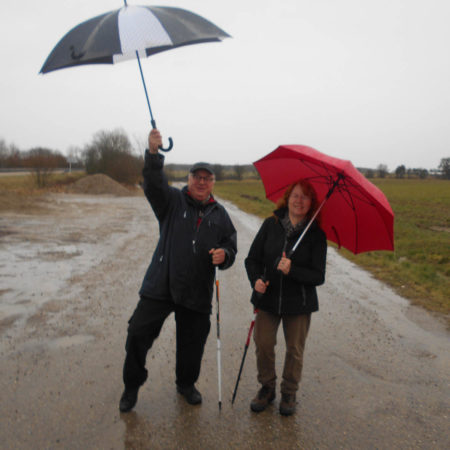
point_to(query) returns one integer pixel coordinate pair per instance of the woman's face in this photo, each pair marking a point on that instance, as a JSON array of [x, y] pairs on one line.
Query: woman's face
[[298, 203]]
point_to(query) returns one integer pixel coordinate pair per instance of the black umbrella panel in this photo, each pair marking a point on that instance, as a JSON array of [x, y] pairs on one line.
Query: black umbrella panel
[[131, 32]]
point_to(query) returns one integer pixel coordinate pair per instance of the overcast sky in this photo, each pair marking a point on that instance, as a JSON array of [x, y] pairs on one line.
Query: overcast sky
[[362, 80]]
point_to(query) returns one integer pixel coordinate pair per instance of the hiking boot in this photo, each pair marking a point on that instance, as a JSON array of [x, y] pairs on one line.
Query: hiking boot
[[263, 398], [191, 394], [128, 399], [287, 404]]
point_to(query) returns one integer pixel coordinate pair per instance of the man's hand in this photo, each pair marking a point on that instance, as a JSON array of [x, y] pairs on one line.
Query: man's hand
[[261, 286], [154, 141], [284, 265], [217, 256]]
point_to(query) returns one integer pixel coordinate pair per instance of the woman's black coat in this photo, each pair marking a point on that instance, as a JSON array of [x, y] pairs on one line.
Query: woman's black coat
[[294, 293]]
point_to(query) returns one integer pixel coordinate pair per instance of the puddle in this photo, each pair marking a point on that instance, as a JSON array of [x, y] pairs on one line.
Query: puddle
[[41, 256]]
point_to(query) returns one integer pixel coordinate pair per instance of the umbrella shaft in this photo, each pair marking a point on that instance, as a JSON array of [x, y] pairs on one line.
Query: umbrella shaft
[[307, 226], [145, 89], [336, 182]]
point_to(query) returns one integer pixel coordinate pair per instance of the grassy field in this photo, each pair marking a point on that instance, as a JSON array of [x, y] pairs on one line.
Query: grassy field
[[419, 268]]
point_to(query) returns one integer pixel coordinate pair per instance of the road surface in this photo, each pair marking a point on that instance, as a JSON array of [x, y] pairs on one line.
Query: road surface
[[376, 370]]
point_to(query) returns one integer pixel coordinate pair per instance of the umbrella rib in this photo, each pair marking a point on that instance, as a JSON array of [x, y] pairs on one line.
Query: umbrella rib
[[358, 194], [351, 203], [328, 178]]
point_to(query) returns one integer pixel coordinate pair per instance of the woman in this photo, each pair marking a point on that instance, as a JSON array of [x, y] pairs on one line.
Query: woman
[[285, 290]]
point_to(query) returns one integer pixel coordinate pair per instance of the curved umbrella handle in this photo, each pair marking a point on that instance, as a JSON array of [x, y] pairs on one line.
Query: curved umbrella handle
[[168, 148], [170, 139]]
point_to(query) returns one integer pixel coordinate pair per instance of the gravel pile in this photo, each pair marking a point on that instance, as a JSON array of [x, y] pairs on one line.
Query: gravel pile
[[98, 184]]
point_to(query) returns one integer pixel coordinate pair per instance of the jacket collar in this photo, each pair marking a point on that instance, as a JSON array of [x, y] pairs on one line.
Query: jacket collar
[[196, 203], [281, 212]]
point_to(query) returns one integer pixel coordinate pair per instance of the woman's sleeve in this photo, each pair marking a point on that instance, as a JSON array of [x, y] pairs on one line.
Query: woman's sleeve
[[254, 263]]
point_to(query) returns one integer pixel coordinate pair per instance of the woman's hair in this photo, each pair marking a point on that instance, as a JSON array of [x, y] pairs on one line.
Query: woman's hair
[[308, 190]]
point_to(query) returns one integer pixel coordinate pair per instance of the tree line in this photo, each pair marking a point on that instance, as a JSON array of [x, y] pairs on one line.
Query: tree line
[[111, 153]]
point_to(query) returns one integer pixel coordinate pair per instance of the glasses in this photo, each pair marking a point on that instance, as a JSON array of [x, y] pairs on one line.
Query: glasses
[[199, 178]]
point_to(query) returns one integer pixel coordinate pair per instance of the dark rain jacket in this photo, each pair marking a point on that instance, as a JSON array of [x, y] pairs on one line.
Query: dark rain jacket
[[181, 269], [294, 293]]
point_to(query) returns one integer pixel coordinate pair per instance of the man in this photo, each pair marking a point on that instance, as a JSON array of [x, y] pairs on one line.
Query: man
[[196, 235]]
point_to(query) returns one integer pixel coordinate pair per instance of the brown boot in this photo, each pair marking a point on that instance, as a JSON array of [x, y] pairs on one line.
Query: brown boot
[[264, 396], [287, 404]]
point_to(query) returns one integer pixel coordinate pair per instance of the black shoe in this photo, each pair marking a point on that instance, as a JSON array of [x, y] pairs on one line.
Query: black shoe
[[190, 393], [263, 398], [128, 399]]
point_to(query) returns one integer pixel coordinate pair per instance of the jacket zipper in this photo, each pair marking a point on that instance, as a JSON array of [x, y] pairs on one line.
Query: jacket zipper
[[281, 293], [203, 217], [280, 298]]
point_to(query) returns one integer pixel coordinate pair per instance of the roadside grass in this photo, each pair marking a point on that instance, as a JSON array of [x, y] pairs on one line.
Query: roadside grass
[[419, 268], [19, 192], [26, 183]]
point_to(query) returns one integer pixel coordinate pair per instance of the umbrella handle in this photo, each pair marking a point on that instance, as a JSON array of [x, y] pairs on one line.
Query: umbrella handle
[[168, 148], [170, 140]]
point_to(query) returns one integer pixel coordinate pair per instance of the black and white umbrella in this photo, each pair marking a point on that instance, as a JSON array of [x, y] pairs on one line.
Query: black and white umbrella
[[131, 32]]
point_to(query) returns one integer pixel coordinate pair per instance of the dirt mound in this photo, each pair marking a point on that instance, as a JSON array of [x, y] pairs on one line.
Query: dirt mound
[[98, 184]]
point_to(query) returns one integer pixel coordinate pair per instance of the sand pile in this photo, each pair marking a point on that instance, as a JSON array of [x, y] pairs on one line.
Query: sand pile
[[98, 184]]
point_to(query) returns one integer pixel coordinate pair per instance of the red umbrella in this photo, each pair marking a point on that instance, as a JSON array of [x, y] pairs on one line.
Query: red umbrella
[[355, 214]]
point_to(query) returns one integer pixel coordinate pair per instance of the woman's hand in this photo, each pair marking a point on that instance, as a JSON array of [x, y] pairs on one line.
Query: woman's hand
[[261, 286], [284, 265]]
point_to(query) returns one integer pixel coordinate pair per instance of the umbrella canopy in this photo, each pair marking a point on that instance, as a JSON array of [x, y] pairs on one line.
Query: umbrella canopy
[[131, 32], [117, 35], [355, 213]]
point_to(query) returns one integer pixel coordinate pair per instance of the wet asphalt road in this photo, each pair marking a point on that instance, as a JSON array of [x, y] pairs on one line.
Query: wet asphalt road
[[376, 371]]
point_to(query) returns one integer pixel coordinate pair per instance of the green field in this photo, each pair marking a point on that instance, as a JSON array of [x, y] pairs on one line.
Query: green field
[[419, 268]]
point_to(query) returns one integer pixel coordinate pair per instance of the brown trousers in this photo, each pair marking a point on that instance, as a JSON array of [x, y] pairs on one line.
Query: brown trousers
[[295, 329]]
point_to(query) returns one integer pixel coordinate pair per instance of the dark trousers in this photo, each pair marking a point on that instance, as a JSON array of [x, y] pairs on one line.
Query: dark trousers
[[295, 328], [192, 330]]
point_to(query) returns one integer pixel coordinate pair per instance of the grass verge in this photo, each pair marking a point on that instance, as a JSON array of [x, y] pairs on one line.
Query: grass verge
[[19, 192]]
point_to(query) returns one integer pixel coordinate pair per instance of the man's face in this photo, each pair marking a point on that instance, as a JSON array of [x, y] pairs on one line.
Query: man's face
[[200, 184]]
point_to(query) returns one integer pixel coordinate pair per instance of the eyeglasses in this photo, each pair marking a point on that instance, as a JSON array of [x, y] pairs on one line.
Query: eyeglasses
[[199, 178]]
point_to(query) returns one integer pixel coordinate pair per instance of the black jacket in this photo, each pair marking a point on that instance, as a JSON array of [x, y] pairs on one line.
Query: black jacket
[[294, 293], [181, 269]]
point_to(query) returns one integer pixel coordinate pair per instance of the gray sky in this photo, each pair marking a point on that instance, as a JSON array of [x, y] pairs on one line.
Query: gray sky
[[361, 80]]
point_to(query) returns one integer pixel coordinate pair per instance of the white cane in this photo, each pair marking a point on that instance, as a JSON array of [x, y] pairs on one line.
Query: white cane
[[219, 368]]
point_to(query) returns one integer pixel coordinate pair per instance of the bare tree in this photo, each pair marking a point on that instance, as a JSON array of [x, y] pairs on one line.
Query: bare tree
[[219, 171], [400, 171], [445, 167], [382, 170], [110, 153], [43, 162], [3, 153], [239, 170]]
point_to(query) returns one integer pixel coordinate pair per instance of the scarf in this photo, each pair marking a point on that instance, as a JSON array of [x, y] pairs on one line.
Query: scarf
[[290, 229]]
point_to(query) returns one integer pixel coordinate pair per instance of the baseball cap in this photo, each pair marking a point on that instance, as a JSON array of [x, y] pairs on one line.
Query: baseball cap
[[202, 166]]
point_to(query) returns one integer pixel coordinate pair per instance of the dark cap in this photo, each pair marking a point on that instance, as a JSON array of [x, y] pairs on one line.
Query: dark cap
[[202, 166]]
